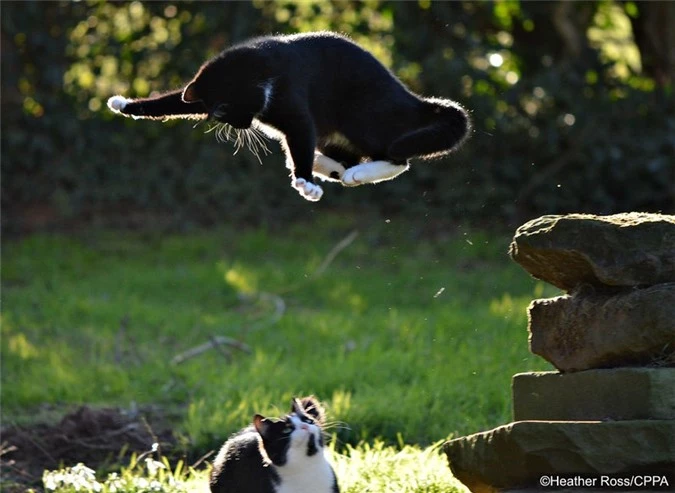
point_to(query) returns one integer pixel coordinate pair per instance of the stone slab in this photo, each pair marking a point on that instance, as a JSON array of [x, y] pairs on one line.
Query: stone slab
[[518, 454], [631, 249], [598, 330], [614, 394]]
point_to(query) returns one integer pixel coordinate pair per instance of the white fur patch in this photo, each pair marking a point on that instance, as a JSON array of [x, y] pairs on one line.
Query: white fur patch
[[117, 103], [326, 168], [269, 131], [372, 172], [303, 473], [308, 190]]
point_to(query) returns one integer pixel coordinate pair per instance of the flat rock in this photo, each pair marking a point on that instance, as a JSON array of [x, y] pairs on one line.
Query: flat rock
[[518, 454], [632, 249], [615, 394], [594, 330]]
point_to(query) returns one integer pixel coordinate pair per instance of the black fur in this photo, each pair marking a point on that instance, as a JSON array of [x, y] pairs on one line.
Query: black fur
[[249, 460], [241, 468], [319, 85]]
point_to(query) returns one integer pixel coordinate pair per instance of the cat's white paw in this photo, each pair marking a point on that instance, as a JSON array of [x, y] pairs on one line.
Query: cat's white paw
[[353, 177], [308, 190], [372, 172], [117, 103]]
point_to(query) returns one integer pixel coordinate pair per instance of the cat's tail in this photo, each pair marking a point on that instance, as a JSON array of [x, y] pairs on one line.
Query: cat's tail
[[165, 106]]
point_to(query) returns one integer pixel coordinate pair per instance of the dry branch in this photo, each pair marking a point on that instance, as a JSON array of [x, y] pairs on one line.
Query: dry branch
[[214, 342]]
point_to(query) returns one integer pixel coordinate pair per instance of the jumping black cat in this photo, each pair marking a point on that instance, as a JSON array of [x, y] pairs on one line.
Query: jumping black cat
[[283, 455], [337, 111]]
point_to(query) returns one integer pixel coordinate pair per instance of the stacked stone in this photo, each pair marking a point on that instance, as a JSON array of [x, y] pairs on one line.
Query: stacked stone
[[609, 410]]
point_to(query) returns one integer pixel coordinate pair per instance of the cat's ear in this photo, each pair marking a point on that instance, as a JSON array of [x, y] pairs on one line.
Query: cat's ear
[[296, 407], [190, 93], [309, 405], [261, 424]]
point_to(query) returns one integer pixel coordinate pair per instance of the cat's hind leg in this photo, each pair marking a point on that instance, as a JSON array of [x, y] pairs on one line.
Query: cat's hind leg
[[442, 136], [327, 168], [372, 172]]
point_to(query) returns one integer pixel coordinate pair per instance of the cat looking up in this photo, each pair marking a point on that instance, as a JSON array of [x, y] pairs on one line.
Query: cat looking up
[[284, 455], [338, 112]]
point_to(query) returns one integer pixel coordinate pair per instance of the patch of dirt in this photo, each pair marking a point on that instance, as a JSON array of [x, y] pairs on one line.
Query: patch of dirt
[[97, 437]]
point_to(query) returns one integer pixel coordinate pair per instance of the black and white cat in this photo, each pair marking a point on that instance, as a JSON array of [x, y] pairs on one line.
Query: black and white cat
[[284, 455], [337, 111]]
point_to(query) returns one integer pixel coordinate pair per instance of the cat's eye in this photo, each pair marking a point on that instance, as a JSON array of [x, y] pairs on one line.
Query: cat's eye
[[220, 111], [287, 429]]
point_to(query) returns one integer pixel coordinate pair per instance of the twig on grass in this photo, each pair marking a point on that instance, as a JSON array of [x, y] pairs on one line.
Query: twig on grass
[[226, 353], [214, 342], [203, 458], [223, 344], [279, 310], [327, 261], [339, 246]]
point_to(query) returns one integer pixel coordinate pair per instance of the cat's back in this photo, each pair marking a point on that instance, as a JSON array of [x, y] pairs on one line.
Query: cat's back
[[323, 57], [239, 466], [336, 53], [337, 78]]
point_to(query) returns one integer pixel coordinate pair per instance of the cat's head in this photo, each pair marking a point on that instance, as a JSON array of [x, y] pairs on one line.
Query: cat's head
[[298, 434], [232, 86]]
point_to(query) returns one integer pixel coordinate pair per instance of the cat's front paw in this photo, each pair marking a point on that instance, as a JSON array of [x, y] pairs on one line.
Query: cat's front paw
[[117, 103], [308, 190]]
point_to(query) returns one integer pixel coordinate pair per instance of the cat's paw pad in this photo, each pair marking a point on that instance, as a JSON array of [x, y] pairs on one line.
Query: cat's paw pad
[[117, 103], [308, 190], [354, 177]]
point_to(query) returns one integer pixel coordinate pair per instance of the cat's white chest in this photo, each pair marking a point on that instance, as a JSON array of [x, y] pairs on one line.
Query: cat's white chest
[[313, 475]]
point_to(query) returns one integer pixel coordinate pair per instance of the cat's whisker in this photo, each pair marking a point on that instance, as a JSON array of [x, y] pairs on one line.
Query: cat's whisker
[[260, 137], [238, 142], [251, 138], [335, 425]]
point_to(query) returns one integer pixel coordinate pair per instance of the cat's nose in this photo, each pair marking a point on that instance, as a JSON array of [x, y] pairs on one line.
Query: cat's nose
[[304, 426]]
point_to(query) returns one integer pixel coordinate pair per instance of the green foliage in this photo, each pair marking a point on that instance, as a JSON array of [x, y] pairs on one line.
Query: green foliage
[[374, 468], [552, 132], [382, 469], [425, 334]]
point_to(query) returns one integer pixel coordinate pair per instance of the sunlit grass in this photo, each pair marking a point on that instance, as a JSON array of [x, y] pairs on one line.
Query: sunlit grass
[[407, 340], [383, 469], [373, 468]]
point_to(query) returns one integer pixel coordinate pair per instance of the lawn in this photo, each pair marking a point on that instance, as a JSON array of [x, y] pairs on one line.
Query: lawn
[[409, 337]]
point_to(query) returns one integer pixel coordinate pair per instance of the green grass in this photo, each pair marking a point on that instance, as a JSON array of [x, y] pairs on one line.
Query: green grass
[[407, 339], [373, 468]]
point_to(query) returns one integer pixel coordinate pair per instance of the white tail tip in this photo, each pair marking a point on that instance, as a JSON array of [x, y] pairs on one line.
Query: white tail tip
[[117, 103]]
